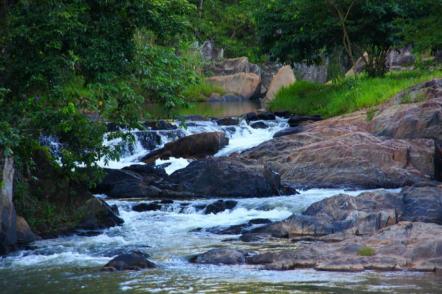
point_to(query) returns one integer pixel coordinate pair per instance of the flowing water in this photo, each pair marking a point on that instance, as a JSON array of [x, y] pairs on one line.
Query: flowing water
[[72, 264]]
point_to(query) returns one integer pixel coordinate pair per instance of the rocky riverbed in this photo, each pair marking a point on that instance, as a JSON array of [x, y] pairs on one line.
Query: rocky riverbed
[[234, 202]]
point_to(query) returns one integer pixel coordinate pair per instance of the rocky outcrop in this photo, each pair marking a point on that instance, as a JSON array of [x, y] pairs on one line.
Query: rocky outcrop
[[405, 117], [334, 157], [193, 146], [339, 216], [129, 262], [24, 232], [311, 72], [283, 78], [398, 59], [242, 84], [220, 256], [210, 52], [97, 214], [8, 233], [230, 66], [268, 70], [209, 178], [404, 246], [220, 206]]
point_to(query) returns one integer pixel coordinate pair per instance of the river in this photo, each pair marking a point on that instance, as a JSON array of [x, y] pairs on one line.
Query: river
[[72, 264]]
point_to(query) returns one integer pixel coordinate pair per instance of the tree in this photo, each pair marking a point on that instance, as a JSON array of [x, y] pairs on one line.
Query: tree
[[62, 61], [304, 30]]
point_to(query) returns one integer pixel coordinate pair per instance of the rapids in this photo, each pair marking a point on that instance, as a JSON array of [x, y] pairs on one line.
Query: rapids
[[71, 264]]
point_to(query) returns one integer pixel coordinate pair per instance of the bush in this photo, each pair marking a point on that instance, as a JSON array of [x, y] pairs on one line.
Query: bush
[[201, 91]]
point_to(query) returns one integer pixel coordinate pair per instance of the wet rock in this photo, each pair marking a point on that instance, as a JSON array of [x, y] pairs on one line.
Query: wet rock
[[130, 261], [438, 161], [296, 120], [24, 232], [284, 114], [220, 256], [253, 116], [239, 229], [97, 214], [288, 131], [259, 125], [224, 177], [159, 125], [361, 215], [220, 206], [193, 146], [167, 201], [405, 246], [148, 139], [146, 207], [228, 121], [415, 113]]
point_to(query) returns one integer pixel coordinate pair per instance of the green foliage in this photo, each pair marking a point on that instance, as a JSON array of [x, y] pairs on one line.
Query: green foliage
[[305, 30], [201, 91], [423, 30], [62, 61], [366, 251], [231, 24], [348, 95]]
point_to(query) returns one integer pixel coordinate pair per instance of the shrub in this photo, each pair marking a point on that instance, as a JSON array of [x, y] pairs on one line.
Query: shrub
[[366, 251]]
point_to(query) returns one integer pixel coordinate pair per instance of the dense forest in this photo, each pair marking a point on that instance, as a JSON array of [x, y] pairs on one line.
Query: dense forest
[[71, 69]]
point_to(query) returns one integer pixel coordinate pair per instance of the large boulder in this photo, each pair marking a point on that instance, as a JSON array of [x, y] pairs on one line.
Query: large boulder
[[404, 246], [344, 215], [97, 214], [268, 71], [283, 78], [24, 232], [333, 157], [398, 59], [242, 84], [220, 206], [232, 66], [193, 146], [220, 256], [129, 261], [226, 177], [407, 116]]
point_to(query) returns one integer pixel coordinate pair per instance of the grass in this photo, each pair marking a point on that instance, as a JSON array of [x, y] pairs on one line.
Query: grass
[[348, 95], [366, 251], [200, 92]]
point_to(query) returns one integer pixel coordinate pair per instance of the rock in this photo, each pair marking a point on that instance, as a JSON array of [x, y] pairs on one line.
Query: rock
[[283, 78], [243, 84], [220, 206], [232, 66], [160, 125], [8, 232], [209, 51], [24, 232], [259, 125], [268, 71], [296, 120], [239, 229], [438, 161], [399, 59], [193, 146], [220, 256], [146, 207], [97, 214], [264, 115], [404, 246], [361, 215], [288, 131], [130, 261], [412, 120], [224, 177], [284, 114], [354, 159], [228, 121], [311, 72], [130, 182], [148, 139]]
